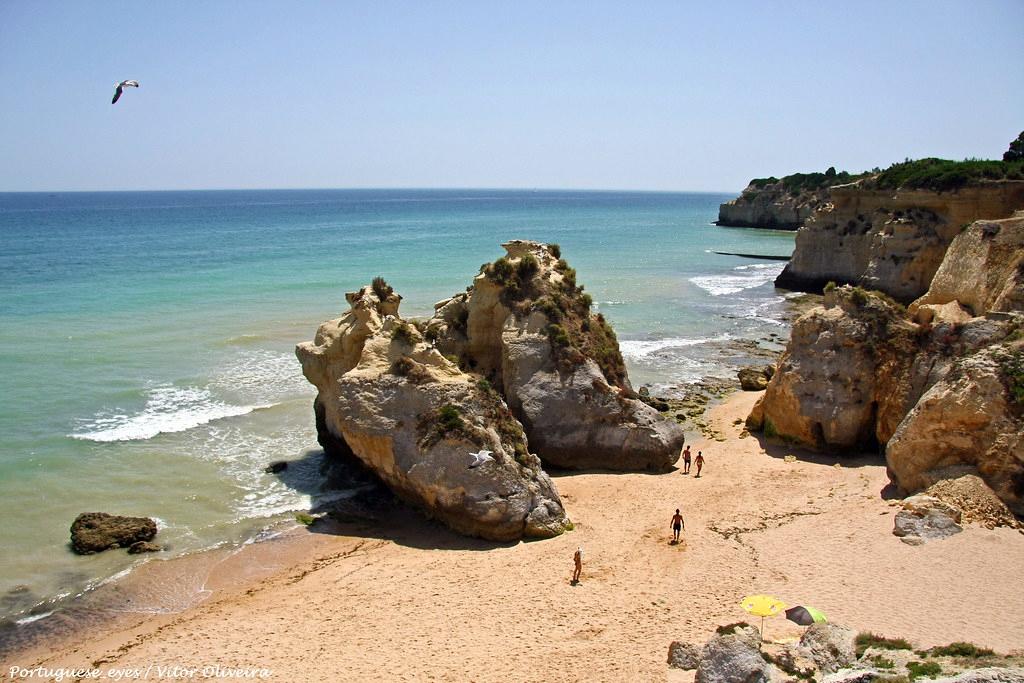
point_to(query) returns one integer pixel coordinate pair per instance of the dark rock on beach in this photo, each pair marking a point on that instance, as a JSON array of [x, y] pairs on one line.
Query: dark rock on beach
[[144, 547], [276, 466], [94, 532]]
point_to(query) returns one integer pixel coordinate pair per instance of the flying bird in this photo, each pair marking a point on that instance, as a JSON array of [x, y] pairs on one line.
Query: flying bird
[[484, 456], [119, 88]]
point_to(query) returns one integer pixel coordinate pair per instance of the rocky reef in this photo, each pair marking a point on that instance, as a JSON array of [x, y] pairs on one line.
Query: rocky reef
[[517, 366], [889, 240], [939, 386]]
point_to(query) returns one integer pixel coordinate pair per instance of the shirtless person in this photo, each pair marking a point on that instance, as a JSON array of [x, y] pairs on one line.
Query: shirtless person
[[699, 462], [577, 558], [677, 526], [686, 460]]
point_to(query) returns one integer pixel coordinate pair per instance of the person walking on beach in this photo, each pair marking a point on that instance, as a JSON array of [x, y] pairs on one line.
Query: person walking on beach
[[577, 558], [686, 460], [699, 461], [677, 526]]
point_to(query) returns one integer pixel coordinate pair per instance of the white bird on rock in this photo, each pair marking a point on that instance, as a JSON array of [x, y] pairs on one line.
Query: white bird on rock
[[484, 456], [119, 88]]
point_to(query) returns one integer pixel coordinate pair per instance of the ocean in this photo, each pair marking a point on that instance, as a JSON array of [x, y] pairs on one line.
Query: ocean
[[146, 339]]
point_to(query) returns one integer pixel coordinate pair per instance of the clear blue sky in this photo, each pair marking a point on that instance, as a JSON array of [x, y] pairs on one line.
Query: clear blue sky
[[647, 95]]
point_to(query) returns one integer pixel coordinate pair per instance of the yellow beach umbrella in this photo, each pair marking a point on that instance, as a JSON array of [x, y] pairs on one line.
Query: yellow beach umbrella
[[762, 606]]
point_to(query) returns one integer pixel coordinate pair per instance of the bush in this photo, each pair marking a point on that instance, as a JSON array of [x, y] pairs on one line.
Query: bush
[[881, 662], [381, 288], [830, 286], [501, 270], [403, 333], [449, 419], [866, 640], [1013, 370], [527, 267], [558, 335], [556, 251], [858, 296], [960, 649], [921, 669]]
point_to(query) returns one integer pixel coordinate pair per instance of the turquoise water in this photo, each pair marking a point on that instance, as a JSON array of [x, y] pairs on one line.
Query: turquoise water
[[146, 338]]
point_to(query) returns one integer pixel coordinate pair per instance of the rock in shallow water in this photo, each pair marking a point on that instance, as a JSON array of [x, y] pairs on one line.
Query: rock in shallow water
[[94, 532]]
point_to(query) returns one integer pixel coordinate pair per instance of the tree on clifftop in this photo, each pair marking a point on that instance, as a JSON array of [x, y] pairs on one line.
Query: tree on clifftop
[[1016, 151]]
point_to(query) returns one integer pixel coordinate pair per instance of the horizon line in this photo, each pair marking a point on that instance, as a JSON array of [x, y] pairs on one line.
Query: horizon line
[[347, 189]]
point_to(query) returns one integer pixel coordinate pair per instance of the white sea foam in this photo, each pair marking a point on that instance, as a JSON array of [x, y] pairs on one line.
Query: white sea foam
[[168, 409], [33, 617], [637, 350], [743, 277]]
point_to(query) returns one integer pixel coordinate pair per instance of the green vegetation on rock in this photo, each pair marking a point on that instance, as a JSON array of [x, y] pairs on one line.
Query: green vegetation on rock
[[943, 175], [923, 670], [381, 288], [866, 640]]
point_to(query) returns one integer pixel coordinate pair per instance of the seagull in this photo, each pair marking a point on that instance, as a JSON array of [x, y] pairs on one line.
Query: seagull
[[480, 458], [120, 88]]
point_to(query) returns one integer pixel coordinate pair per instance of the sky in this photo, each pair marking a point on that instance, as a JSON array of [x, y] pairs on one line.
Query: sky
[[682, 96]]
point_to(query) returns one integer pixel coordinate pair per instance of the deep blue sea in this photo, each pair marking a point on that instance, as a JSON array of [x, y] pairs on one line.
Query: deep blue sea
[[146, 338]]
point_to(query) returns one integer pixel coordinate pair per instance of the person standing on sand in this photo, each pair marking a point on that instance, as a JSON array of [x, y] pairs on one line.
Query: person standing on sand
[[577, 558], [686, 460], [699, 461], [677, 526]]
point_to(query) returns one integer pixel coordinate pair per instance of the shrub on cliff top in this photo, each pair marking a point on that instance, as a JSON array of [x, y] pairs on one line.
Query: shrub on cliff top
[[944, 175], [381, 288], [556, 251]]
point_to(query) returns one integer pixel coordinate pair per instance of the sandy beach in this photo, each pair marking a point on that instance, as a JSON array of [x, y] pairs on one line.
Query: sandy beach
[[406, 600]]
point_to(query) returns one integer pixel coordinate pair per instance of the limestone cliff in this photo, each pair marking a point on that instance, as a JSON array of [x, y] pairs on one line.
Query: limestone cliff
[[413, 418], [890, 240], [771, 206], [939, 387]]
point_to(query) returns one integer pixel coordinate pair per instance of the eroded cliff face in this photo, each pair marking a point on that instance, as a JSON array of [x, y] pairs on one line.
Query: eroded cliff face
[[771, 207], [938, 386], [890, 241], [413, 418]]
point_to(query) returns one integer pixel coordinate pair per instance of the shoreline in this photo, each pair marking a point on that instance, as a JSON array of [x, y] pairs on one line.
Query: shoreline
[[404, 599]]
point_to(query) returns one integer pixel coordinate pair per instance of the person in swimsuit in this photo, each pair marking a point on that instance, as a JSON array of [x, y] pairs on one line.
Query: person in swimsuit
[[686, 460], [699, 461], [577, 558], [677, 526]]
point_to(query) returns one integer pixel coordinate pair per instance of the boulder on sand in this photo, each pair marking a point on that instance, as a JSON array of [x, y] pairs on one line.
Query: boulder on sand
[[924, 518], [94, 532]]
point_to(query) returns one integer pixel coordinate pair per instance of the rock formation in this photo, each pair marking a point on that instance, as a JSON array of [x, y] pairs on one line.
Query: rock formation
[[414, 418], [940, 386], [526, 326], [834, 654], [516, 363], [889, 241], [94, 532], [924, 518]]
